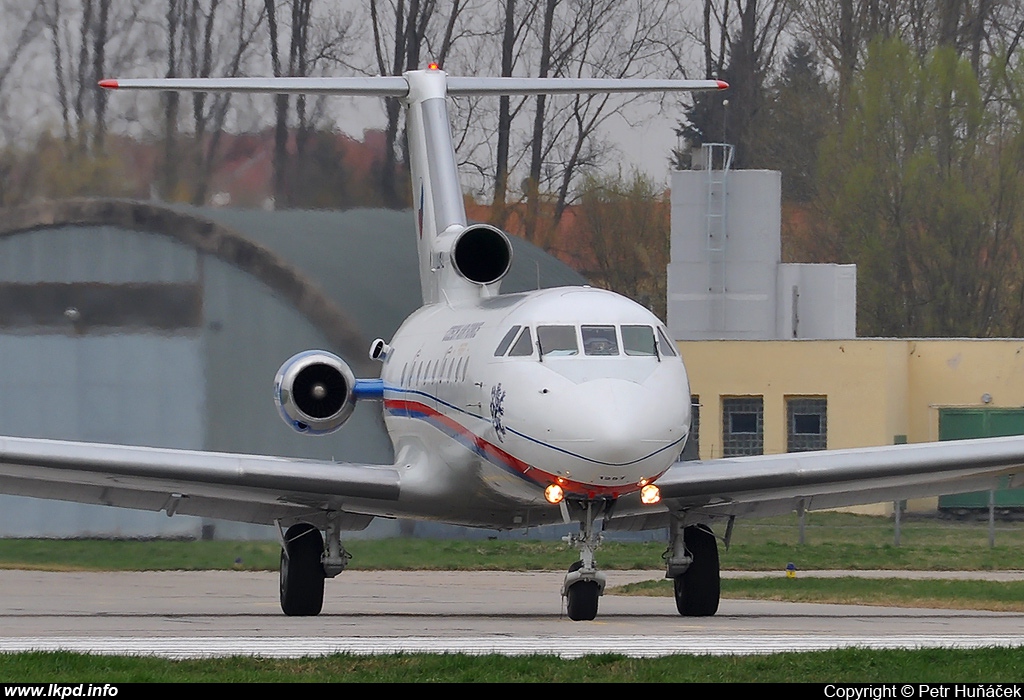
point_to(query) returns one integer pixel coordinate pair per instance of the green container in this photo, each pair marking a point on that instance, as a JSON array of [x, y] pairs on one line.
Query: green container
[[966, 423]]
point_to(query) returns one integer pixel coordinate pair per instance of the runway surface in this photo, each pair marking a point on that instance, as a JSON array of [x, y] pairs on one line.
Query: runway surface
[[181, 614]]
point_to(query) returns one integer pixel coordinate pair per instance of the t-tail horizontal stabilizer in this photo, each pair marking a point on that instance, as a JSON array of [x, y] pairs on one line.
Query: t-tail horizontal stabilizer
[[458, 262], [398, 86]]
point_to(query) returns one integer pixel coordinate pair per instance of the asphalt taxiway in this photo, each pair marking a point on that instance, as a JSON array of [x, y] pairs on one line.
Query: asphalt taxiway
[[214, 613]]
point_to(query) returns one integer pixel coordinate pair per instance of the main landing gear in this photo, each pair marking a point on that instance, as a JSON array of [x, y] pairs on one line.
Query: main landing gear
[[305, 563], [692, 563], [584, 584]]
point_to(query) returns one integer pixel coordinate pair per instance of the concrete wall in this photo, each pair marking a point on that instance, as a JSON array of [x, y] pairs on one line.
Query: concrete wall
[[861, 379], [879, 391], [725, 278], [724, 289], [816, 301]]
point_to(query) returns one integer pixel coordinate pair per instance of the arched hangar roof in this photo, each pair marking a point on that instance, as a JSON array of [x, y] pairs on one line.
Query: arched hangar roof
[[353, 274]]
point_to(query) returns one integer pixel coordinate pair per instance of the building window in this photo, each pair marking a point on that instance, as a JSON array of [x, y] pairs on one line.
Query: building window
[[695, 421], [743, 426], [807, 423], [691, 450]]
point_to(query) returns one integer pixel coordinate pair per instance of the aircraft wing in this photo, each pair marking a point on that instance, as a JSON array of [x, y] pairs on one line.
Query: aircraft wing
[[240, 487], [777, 484]]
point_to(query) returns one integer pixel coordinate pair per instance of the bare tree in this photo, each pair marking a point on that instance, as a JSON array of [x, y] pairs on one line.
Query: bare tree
[[401, 32], [314, 43], [584, 38], [539, 124], [28, 24], [626, 222], [985, 32], [740, 41], [169, 172], [203, 39], [87, 40], [510, 36]]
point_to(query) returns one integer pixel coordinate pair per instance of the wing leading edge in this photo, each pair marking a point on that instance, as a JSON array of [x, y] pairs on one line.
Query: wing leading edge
[[241, 487], [776, 484]]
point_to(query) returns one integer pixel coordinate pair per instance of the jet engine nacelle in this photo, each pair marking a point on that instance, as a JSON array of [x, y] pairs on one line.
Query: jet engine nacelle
[[315, 392], [482, 254]]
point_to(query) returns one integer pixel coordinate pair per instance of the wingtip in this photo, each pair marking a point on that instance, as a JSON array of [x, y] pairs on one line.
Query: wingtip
[[722, 85], [108, 84]]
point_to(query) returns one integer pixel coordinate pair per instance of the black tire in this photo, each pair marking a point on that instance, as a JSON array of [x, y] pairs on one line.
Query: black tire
[[302, 574], [698, 590], [581, 601], [581, 598]]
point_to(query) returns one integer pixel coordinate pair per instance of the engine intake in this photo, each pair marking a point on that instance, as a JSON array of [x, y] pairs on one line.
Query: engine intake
[[482, 254], [315, 392]]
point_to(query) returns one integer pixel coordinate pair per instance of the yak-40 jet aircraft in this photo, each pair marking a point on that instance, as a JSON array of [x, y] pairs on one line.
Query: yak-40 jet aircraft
[[558, 405]]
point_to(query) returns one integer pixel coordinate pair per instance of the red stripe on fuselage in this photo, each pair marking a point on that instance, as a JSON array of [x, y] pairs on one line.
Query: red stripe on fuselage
[[498, 456]]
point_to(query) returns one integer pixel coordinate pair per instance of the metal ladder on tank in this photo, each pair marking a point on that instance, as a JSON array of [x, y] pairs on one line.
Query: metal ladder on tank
[[717, 159]]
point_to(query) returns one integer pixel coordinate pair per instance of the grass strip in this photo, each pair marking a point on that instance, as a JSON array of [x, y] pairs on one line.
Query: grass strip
[[1006, 596], [833, 541], [839, 666]]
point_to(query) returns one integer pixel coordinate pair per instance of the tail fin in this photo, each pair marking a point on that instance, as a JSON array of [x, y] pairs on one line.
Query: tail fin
[[458, 262]]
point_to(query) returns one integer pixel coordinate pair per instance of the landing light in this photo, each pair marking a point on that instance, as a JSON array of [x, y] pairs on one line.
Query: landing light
[[554, 494], [650, 494]]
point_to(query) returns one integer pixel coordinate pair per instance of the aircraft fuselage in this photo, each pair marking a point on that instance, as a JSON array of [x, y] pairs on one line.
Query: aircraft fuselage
[[573, 386]]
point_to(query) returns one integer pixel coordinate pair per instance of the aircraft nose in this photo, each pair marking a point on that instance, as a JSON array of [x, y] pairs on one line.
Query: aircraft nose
[[618, 422]]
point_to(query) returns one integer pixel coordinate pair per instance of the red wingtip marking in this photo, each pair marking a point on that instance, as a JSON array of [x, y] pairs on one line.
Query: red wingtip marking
[[722, 85], [108, 84]]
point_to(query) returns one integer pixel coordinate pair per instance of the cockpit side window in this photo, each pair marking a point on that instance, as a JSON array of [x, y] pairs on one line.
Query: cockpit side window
[[523, 346], [506, 341], [557, 341], [638, 341], [666, 346], [600, 340]]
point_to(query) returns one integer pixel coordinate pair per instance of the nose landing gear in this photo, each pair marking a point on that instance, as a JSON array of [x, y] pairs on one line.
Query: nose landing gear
[[584, 584]]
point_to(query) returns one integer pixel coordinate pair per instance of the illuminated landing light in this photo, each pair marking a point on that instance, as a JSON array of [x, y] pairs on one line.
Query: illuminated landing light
[[554, 494], [650, 494]]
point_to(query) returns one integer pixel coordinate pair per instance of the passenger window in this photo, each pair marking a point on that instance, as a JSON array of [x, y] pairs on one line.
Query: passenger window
[[557, 341], [523, 346], [666, 346], [506, 341], [600, 340], [638, 340]]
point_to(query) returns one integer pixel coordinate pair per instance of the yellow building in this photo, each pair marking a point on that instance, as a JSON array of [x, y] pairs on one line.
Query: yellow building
[[774, 396]]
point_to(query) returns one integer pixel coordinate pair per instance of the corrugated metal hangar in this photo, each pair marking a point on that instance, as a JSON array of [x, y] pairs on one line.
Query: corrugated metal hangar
[[146, 324]]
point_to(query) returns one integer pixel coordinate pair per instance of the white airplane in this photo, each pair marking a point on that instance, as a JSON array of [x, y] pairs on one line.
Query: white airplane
[[559, 405]]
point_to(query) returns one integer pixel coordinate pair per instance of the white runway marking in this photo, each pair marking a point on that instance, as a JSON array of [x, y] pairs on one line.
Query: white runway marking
[[565, 647]]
